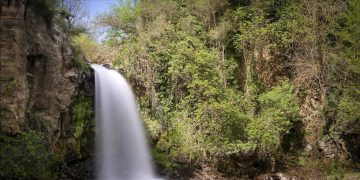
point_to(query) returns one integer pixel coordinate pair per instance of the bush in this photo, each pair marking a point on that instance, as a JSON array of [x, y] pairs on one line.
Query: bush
[[25, 156], [348, 116], [279, 111], [80, 62]]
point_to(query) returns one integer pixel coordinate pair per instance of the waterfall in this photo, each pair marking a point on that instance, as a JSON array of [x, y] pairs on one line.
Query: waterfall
[[121, 147]]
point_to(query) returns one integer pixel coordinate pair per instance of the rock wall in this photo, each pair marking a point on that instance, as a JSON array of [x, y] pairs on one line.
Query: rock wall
[[41, 88], [311, 112], [37, 70], [14, 87]]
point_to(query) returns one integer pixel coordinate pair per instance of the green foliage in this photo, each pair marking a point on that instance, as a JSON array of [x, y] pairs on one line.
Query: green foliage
[[181, 81], [251, 30], [343, 99], [348, 116], [83, 123], [279, 24], [289, 27], [252, 83], [25, 156], [279, 111], [185, 59], [92, 51], [120, 21], [209, 130], [204, 10], [163, 159], [337, 171], [349, 35], [79, 60]]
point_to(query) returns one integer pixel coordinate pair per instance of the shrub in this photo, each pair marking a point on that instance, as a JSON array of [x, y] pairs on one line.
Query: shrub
[[25, 156], [279, 111], [79, 61], [348, 116]]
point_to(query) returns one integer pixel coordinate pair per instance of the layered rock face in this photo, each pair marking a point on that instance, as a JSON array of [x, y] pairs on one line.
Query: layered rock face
[[41, 89], [14, 90], [37, 70]]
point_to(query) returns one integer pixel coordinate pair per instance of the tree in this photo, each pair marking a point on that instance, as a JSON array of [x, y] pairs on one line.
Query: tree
[[74, 13]]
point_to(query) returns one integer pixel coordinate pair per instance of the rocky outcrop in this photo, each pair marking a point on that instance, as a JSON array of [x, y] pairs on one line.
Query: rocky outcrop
[[41, 88], [14, 87], [37, 71], [333, 148], [311, 111]]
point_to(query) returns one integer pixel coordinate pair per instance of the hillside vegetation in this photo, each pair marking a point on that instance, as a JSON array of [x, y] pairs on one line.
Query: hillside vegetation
[[243, 85]]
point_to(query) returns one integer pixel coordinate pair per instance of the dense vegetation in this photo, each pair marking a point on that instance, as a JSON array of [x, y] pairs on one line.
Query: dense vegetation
[[219, 81], [25, 156]]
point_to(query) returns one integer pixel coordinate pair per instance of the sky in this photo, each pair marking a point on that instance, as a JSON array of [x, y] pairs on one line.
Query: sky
[[96, 7], [99, 6]]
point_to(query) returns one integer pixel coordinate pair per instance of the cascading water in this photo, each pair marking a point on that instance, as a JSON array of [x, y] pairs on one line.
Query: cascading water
[[121, 147]]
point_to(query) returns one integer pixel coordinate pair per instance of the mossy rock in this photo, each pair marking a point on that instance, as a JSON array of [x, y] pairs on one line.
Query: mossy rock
[[80, 135]]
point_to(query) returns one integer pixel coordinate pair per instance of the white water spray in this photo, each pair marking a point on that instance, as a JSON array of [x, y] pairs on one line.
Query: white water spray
[[121, 148]]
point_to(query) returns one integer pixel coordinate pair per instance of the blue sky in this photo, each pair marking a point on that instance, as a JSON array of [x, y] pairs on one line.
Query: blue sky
[[99, 6], [96, 7]]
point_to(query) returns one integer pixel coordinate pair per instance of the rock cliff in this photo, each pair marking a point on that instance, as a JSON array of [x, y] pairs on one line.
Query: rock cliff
[[37, 70], [41, 87]]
